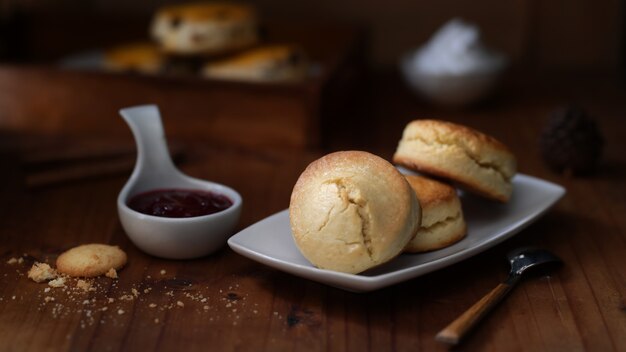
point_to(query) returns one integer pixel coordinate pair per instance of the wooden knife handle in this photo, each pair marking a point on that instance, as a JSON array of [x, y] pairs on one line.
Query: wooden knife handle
[[455, 331]]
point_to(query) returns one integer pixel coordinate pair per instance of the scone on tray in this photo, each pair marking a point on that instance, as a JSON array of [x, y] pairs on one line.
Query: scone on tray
[[205, 28], [351, 211], [270, 63], [134, 57], [473, 160], [442, 216]]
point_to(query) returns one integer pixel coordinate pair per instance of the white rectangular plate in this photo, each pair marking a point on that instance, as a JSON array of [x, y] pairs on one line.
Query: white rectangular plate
[[269, 241]]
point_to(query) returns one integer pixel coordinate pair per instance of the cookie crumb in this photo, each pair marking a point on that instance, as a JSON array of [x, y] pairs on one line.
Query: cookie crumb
[[163, 272], [156, 320], [126, 298], [41, 272], [180, 304], [112, 273], [135, 292], [46, 290], [120, 311], [48, 299], [152, 305], [206, 307], [12, 261], [58, 282], [20, 260], [83, 285]]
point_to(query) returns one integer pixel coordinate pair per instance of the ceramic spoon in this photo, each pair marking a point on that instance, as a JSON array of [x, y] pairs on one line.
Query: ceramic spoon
[[176, 238]]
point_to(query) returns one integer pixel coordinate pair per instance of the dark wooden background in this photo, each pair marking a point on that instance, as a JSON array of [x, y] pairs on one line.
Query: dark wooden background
[[556, 34]]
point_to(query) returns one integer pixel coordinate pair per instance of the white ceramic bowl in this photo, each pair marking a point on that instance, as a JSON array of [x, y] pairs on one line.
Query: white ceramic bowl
[[450, 90], [179, 238], [173, 238]]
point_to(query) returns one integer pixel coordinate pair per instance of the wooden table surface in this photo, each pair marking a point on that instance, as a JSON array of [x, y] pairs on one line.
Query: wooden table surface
[[228, 302]]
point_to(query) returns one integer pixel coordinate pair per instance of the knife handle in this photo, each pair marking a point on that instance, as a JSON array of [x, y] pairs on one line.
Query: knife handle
[[455, 331]]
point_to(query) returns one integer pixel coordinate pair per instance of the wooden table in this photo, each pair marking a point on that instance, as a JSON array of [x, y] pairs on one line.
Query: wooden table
[[228, 302]]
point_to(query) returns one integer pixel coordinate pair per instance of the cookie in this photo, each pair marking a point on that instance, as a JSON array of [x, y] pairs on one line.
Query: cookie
[[204, 28], [351, 211], [273, 63], [473, 160], [442, 217], [90, 260]]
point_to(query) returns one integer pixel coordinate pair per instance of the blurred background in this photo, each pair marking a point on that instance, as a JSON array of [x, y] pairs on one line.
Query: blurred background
[[567, 50], [556, 34]]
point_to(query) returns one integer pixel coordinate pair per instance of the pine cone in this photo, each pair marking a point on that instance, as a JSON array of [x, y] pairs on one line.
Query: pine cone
[[571, 142]]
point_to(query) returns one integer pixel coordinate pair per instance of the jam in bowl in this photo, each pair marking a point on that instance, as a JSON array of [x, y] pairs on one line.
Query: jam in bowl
[[179, 203], [165, 212]]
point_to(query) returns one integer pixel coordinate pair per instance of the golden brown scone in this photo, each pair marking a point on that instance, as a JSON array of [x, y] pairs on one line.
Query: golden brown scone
[[475, 161], [351, 211], [90, 260], [204, 28], [272, 63], [137, 57], [442, 217]]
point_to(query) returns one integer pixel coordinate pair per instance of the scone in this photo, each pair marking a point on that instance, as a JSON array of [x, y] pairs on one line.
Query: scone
[[136, 57], [275, 63], [473, 160], [90, 260], [351, 211], [442, 217], [204, 28]]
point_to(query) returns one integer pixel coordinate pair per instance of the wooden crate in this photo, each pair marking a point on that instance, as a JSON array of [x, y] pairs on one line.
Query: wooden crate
[[41, 97]]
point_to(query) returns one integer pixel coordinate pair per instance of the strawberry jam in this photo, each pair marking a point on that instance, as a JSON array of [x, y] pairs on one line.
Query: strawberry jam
[[179, 203]]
